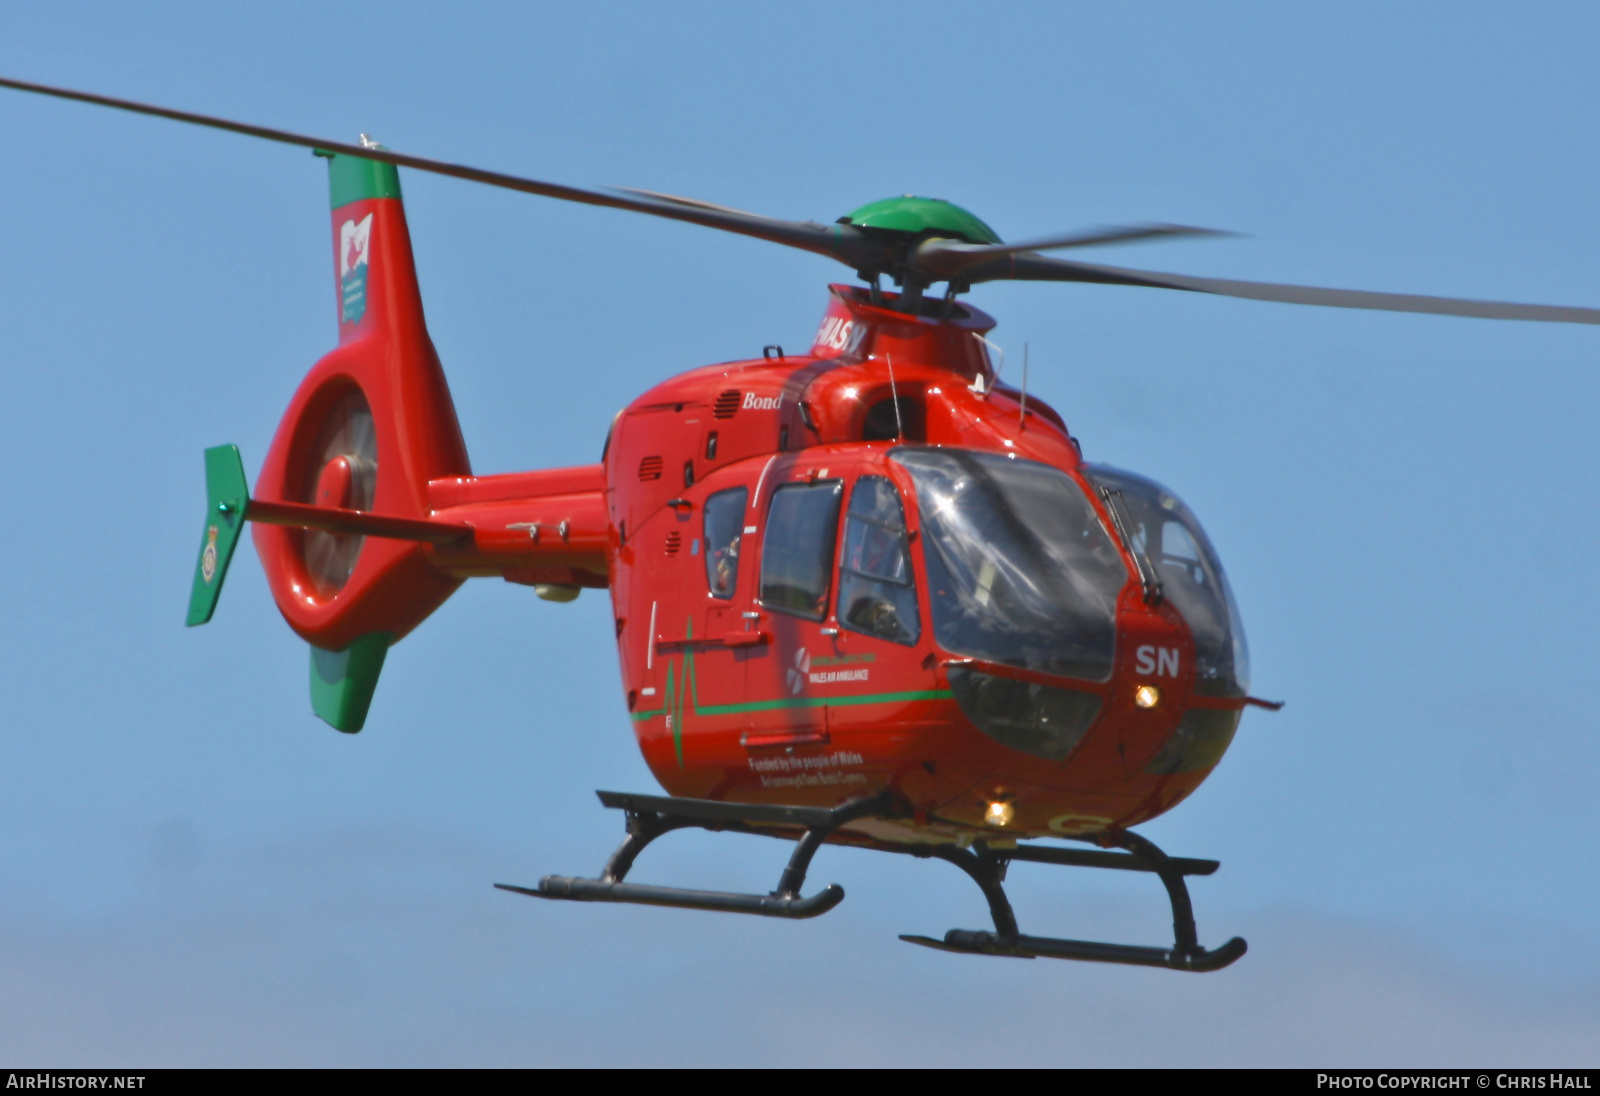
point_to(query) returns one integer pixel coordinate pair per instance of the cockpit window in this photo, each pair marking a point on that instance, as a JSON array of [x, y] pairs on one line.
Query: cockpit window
[[1020, 570], [1191, 577], [797, 547], [876, 595]]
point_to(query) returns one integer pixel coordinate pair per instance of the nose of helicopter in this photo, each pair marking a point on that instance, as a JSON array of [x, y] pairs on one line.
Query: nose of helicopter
[[1024, 575], [1172, 546]]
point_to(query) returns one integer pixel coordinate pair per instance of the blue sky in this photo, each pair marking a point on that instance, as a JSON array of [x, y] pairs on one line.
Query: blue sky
[[194, 871]]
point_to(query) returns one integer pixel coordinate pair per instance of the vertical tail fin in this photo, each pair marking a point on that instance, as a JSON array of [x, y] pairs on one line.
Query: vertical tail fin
[[367, 429]]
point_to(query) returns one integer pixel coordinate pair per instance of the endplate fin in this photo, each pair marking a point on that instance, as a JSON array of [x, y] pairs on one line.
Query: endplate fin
[[227, 497]]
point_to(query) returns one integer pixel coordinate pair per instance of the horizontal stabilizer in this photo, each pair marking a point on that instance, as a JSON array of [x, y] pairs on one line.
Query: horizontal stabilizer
[[332, 519], [229, 506]]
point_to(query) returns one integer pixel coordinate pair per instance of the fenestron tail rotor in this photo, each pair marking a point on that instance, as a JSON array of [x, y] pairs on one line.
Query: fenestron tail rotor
[[340, 470], [916, 242]]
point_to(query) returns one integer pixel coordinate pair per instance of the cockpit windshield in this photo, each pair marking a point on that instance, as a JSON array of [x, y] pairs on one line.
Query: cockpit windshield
[[1191, 577], [1020, 569]]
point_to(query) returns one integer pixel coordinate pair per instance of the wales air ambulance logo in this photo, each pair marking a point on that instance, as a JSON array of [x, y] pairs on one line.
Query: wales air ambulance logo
[[208, 556], [355, 242]]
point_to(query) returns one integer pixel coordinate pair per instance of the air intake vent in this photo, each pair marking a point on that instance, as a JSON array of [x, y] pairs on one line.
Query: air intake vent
[[674, 542], [650, 469], [726, 404]]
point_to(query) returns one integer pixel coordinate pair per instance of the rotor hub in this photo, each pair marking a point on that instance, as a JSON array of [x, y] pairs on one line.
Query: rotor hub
[[334, 483], [923, 217]]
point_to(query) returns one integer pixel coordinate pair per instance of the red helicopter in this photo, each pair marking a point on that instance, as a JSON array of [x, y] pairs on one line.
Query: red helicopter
[[864, 594]]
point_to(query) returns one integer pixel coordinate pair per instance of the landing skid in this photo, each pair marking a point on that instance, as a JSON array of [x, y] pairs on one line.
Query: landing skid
[[987, 867], [650, 816]]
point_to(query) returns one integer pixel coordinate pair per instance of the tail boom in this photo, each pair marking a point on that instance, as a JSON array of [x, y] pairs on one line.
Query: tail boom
[[538, 528]]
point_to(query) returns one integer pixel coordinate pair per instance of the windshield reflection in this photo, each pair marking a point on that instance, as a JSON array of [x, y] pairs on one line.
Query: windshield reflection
[[1020, 569]]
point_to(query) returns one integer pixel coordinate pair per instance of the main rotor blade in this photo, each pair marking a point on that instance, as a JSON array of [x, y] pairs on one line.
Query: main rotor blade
[[1038, 268], [674, 199], [933, 259], [941, 258], [1116, 234], [842, 242]]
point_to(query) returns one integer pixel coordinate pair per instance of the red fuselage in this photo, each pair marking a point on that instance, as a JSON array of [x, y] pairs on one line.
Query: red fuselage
[[745, 682]]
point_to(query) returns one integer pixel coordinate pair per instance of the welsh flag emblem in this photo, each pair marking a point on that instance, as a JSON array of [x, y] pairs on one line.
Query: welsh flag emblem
[[355, 241]]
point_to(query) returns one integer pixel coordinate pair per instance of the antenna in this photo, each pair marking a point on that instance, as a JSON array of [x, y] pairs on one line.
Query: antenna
[[1022, 412], [994, 350], [894, 398]]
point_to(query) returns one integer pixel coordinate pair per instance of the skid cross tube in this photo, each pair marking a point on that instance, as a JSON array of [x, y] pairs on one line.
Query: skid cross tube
[[987, 868], [650, 816]]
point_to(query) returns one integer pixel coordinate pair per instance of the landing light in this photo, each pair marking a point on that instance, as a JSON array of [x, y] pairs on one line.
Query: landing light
[[1147, 696], [1000, 813]]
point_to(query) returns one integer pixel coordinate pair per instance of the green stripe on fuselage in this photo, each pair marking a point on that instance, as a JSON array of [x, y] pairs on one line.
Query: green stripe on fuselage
[[673, 701], [822, 702]]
